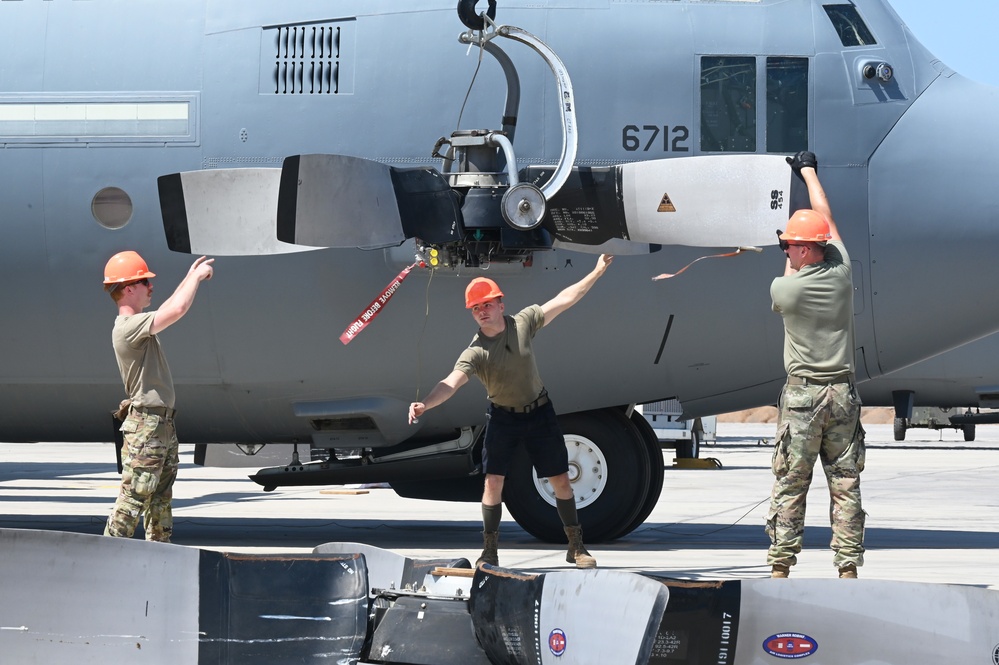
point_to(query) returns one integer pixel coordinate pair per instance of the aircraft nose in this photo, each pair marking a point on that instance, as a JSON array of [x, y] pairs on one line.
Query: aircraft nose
[[934, 224]]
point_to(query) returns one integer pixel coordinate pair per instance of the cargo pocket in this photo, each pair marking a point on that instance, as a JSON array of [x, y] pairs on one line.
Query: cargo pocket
[[146, 453], [779, 462], [144, 482], [796, 398], [860, 443]]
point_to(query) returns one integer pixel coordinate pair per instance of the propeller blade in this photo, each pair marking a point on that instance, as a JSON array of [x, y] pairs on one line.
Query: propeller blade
[[704, 201], [222, 212], [341, 201]]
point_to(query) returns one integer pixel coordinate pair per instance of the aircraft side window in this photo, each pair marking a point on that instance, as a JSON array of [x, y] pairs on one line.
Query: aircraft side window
[[787, 104], [849, 26], [728, 104], [112, 207]]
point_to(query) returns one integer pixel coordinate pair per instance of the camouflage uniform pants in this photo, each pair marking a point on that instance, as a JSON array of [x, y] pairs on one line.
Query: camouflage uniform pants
[[817, 421], [150, 459]]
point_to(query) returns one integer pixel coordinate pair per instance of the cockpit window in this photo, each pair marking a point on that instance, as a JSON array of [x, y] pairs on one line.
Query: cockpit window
[[732, 112], [849, 26], [728, 104], [787, 104]]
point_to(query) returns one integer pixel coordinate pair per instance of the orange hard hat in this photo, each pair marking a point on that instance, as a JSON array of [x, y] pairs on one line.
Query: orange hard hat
[[480, 290], [126, 266], [807, 225]]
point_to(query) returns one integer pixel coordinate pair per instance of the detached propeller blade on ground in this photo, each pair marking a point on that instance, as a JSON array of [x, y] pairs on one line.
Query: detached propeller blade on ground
[[341, 201], [222, 212], [576, 616], [704, 201]]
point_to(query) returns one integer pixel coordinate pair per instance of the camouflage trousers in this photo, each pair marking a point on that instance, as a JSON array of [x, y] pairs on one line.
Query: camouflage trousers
[[817, 421], [149, 462]]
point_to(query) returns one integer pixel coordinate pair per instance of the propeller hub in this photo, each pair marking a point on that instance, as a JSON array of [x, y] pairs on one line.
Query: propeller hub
[[523, 206]]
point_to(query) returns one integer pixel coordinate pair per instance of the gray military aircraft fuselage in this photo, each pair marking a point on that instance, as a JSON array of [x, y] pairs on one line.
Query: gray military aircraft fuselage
[[101, 99]]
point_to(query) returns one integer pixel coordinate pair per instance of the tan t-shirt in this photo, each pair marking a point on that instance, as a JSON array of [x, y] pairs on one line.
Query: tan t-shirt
[[505, 363], [817, 306], [143, 367]]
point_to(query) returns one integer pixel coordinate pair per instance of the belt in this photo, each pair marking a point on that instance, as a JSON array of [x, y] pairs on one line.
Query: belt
[[802, 381], [527, 408], [164, 412]]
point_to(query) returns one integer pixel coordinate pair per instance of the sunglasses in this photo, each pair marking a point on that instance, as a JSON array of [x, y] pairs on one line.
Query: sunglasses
[[784, 244], [144, 282]]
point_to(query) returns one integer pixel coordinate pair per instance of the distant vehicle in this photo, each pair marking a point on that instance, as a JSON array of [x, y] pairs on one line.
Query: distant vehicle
[[937, 418], [958, 388], [684, 435]]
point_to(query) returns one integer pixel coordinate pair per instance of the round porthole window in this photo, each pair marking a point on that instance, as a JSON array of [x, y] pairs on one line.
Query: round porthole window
[[111, 207]]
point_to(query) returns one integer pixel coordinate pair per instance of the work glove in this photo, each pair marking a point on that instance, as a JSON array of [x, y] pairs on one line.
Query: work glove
[[803, 159]]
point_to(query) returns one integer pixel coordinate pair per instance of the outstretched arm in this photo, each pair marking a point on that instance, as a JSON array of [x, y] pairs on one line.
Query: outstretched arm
[[441, 393], [570, 295], [176, 306]]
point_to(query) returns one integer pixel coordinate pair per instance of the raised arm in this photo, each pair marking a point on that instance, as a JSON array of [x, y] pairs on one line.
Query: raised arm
[[176, 306], [805, 163], [820, 203], [438, 395], [570, 295]]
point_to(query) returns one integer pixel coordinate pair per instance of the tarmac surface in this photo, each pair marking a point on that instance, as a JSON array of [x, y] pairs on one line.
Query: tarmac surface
[[932, 503]]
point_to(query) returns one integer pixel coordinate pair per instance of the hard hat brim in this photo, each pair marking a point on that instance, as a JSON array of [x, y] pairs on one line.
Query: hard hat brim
[[133, 278]]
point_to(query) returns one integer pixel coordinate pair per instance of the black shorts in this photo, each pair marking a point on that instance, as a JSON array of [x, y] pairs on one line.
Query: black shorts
[[537, 430]]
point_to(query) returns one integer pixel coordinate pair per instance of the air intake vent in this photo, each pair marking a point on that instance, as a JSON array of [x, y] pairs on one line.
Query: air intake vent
[[305, 59]]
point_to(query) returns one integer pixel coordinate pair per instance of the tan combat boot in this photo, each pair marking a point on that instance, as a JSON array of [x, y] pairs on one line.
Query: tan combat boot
[[490, 542], [848, 572], [780, 571], [577, 553]]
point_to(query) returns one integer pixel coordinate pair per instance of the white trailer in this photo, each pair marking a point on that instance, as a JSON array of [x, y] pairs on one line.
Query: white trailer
[[686, 436]]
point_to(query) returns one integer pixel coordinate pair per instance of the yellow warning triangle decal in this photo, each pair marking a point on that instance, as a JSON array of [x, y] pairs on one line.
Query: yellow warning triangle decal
[[666, 205]]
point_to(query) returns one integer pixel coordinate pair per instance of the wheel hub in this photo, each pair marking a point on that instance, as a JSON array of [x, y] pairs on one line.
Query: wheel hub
[[587, 472]]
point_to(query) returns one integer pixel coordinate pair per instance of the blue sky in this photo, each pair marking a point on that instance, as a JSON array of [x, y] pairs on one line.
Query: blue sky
[[962, 33]]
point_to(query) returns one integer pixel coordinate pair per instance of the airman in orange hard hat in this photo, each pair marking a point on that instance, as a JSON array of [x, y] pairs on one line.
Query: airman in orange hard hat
[[502, 356], [480, 290], [807, 225], [149, 454], [819, 406], [125, 267]]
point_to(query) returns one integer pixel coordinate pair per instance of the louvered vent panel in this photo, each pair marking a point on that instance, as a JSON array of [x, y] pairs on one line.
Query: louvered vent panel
[[666, 407], [307, 59]]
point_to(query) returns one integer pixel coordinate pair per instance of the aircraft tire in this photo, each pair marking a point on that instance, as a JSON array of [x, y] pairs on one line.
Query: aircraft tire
[[899, 429], [611, 489], [969, 431], [690, 448], [657, 475]]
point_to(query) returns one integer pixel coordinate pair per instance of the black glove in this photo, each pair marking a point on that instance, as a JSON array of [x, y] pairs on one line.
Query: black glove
[[802, 159]]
